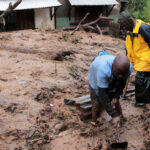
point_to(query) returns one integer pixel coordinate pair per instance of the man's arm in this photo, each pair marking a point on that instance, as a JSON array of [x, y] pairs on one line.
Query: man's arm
[[123, 83], [104, 99], [145, 32], [120, 89]]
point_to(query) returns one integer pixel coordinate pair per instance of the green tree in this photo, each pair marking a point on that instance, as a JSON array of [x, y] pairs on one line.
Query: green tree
[[139, 9]]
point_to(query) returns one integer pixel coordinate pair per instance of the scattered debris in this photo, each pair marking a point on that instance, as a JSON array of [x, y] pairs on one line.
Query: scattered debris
[[46, 95], [63, 55], [92, 26], [32, 114], [5, 80], [11, 105], [84, 104], [87, 14]]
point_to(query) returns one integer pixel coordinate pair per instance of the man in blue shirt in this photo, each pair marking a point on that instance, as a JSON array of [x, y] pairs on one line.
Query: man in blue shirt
[[107, 78]]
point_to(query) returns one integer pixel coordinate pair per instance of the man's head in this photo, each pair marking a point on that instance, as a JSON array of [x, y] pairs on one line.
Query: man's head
[[120, 66], [126, 21]]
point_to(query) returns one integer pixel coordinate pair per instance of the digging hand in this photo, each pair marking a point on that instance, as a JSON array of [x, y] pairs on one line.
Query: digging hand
[[93, 124], [116, 121], [113, 102]]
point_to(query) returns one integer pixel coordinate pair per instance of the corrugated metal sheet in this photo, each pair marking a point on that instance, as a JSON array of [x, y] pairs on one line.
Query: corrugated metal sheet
[[29, 4], [92, 2]]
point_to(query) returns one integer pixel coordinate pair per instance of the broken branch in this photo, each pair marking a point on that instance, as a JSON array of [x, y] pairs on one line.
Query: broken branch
[[10, 8], [78, 26], [90, 25], [97, 20], [100, 31]]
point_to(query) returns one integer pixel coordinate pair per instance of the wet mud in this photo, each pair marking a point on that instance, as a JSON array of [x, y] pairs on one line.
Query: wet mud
[[41, 69]]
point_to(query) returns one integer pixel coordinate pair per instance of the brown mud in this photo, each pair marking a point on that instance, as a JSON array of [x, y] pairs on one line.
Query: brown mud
[[38, 70]]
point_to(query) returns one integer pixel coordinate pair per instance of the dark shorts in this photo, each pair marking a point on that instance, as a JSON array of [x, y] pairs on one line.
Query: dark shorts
[[96, 104], [142, 87]]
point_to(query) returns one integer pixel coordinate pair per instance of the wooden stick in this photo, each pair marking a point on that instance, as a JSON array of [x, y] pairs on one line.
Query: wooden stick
[[5, 80], [88, 25], [100, 31], [10, 8], [78, 26], [55, 68], [98, 19]]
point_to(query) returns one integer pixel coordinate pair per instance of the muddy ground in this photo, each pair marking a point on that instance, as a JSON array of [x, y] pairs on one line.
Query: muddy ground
[[38, 69]]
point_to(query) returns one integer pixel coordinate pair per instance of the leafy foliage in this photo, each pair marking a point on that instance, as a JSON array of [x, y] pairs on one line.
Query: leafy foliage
[[139, 9]]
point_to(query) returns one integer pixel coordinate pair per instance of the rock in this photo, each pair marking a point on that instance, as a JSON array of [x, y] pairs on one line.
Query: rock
[[60, 127], [63, 133]]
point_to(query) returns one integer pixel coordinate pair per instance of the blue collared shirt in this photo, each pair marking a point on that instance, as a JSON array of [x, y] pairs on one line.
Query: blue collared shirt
[[100, 73]]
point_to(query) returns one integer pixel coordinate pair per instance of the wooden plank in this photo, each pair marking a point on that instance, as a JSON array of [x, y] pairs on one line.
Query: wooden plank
[[130, 89], [86, 107], [86, 101], [82, 98], [130, 94]]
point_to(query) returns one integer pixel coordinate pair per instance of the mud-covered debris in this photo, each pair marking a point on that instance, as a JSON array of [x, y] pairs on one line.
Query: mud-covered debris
[[89, 132], [96, 44], [19, 148], [73, 72], [63, 55], [69, 102], [46, 95], [46, 110], [102, 145], [37, 139], [14, 108], [34, 133], [11, 108], [61, 127], [9, 104], [147, 145], [25, 52], [16, 134]]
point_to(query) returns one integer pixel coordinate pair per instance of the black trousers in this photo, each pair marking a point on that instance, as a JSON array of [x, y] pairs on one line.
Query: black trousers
[[142, 87]]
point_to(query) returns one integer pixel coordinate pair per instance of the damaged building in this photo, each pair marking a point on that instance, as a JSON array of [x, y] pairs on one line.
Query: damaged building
[[55, 14], [31, 14], [72, 11]]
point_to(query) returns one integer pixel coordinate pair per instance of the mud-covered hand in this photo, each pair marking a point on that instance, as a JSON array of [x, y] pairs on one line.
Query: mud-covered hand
[[116, 121], [93, 123], [113, 102]]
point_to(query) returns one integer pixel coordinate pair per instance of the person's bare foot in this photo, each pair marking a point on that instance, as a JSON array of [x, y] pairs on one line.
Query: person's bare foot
[[93, 123]]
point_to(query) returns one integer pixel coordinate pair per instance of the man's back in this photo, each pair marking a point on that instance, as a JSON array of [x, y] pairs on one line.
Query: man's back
[[101, 72], [138, 46]]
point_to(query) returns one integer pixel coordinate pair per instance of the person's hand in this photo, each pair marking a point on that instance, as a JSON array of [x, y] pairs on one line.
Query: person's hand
[[116, 121], [93, 124], [113, 102]]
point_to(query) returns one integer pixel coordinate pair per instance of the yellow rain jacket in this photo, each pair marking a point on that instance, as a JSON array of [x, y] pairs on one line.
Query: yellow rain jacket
[[138, 50]]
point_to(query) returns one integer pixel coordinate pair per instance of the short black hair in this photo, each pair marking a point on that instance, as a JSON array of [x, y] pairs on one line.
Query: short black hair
[[125, 15]]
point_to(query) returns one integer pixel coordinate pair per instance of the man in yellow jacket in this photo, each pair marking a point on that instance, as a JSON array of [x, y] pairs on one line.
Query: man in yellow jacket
[[138, 51]]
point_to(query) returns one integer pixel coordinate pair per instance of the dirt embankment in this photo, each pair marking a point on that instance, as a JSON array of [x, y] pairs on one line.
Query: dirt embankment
[[37, 71]]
